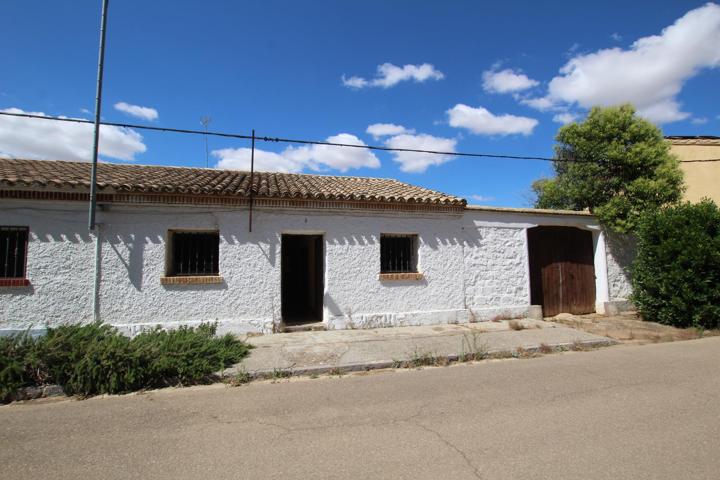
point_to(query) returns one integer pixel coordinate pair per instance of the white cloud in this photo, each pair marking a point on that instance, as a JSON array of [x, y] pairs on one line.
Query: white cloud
[[483, 122], [389, 75], [565, 117], [416, 162], [339, 158], [699, 121], [296, 159], [354, 82], [145, 113], [481, 198], [378, 130], [616, 36], [239, 159], [48, 139], [572, 50], [540, 103], [506, 81], [650, 73]]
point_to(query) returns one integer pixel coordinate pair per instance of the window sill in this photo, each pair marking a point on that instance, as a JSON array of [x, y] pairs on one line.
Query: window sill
[[192, 280], [14, 282], [401, 276]]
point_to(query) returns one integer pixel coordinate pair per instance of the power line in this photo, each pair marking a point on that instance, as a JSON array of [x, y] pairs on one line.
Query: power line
[[315, 142], [284, 140]]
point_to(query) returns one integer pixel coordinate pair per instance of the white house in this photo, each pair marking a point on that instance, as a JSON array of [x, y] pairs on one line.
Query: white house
[[183, 245]]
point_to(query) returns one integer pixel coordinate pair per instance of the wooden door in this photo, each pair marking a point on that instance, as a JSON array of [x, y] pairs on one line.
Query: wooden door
[[562, 270]]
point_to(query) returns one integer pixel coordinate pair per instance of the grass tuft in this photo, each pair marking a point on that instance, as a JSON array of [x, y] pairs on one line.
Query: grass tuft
[[516, 325]]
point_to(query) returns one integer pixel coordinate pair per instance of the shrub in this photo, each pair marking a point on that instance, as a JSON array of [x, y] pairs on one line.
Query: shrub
[[96, 358], [91, 359], [188, 355], [676, 275], [17, 364]]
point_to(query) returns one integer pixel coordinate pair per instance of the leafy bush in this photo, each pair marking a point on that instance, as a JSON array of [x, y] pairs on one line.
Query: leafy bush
[[187, 355], [676, 275], [96, 358], [17, 364]]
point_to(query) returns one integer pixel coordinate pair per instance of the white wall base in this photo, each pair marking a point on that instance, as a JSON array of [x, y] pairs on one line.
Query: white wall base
[[402, 319], [132, 329]]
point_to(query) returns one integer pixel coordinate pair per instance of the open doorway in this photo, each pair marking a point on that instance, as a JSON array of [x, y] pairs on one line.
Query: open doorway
[[302, 279], [562, 270]]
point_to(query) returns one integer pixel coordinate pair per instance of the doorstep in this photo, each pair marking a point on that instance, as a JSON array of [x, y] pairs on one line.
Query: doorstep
[[304, 327], [308, 352]]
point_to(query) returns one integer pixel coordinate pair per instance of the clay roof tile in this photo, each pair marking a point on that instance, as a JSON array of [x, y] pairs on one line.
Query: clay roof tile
[[42, 174]]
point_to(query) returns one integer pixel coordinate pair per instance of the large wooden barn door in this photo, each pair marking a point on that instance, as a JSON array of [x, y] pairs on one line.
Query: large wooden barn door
[[562, 271]]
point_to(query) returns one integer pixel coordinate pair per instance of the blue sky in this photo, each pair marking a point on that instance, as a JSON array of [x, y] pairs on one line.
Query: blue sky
[[469, 76]]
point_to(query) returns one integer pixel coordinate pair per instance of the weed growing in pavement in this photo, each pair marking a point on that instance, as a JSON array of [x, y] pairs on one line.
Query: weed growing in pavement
[[545, 348], [521, 352], [516, 325], [240, 378], [473, 348], [425, 359], [279, 374]]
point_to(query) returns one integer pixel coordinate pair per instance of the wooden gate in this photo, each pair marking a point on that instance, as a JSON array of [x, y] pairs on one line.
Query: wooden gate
[[562, 271]]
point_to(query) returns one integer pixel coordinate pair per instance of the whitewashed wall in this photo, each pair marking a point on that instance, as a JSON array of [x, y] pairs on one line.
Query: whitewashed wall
[[474, 265], [495, 271], [620, 255], [61, 268], [60, 260]]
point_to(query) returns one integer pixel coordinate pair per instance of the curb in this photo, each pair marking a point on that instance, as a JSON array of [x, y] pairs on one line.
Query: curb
[[447, 359]]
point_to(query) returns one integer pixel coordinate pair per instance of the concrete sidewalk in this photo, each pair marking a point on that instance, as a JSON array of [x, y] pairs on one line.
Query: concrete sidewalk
[[351, 350]]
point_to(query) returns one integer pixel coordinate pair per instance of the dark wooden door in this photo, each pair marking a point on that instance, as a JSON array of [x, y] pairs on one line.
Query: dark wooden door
[[562, 270]]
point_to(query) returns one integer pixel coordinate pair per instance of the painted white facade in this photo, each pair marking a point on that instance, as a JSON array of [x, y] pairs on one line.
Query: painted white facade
[[474, 266]]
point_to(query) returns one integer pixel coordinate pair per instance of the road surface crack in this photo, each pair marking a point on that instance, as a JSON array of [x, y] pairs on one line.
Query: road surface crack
[[452, 446]]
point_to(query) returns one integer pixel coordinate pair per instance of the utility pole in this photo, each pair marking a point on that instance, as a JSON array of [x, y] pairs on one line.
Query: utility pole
[[205, 121], [252, 179], [98, 105]]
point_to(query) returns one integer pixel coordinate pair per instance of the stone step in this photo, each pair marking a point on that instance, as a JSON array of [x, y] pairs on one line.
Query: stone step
[[304, 327]]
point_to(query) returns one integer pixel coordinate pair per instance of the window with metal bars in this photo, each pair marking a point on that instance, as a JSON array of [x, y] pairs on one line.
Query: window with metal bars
[[194, 253], [13, 251], [398, 253]]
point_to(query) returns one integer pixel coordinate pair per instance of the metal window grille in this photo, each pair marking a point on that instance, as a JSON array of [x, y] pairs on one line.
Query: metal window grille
[[398, 253], [13, 251], [195, 253]]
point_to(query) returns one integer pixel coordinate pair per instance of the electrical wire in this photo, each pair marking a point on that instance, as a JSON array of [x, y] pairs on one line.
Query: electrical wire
[[284, 140], [317, 142]]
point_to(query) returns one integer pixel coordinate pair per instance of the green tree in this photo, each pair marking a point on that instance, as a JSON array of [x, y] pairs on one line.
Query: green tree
[[614, 164]]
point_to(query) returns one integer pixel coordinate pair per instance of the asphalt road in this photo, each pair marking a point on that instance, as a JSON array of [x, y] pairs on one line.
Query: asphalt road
[[621, 412]]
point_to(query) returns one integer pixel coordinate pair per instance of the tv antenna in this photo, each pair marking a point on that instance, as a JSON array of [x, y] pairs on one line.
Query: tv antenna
[[205, 121]]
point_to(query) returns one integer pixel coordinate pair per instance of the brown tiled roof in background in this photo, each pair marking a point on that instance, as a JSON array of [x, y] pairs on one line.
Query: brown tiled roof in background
[[124, 178], [693, 140]]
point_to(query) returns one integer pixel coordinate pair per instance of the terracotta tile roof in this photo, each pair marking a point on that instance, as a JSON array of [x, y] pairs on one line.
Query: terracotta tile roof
[[122, 178], [532, 211], [693, 140]]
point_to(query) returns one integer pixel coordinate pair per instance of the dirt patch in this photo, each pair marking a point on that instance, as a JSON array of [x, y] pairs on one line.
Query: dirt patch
[[630, 328]]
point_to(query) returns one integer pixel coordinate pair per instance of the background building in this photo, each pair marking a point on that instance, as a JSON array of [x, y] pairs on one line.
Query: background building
[[700, 162]]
